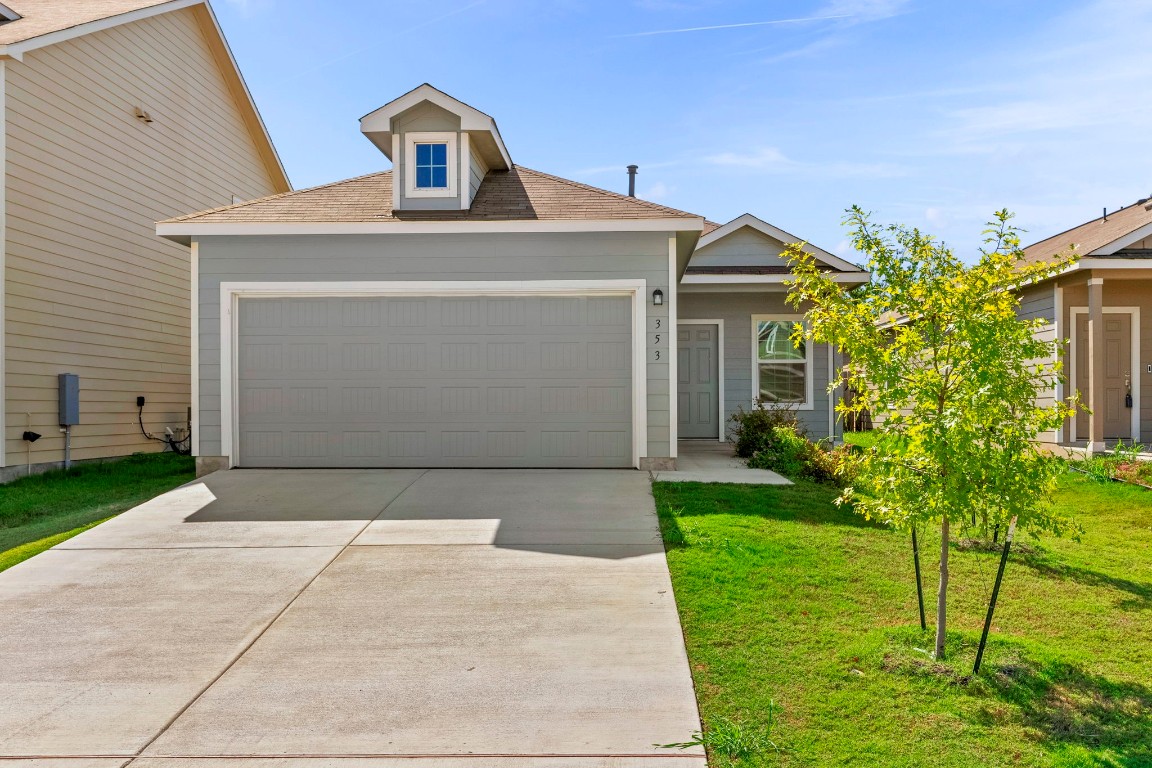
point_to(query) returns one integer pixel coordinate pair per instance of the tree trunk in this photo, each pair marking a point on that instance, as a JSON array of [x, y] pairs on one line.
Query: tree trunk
[[942, 597]]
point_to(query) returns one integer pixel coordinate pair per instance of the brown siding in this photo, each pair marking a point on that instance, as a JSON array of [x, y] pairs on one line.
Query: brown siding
[[90, 288]]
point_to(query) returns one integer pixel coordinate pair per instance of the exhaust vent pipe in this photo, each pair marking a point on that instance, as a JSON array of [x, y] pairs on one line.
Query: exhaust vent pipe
[[632, 169]]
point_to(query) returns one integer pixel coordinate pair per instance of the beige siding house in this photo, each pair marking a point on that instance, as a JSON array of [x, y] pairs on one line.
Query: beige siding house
[[116, 114], [1102, 308]]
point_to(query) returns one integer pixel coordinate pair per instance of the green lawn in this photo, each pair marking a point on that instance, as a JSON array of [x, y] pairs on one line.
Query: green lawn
[[40, 511], [785, 598]]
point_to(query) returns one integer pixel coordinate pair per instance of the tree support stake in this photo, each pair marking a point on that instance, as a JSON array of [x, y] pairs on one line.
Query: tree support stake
[[995, 595]]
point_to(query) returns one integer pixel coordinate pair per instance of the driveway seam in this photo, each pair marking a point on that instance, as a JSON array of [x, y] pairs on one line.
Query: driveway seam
[[248, 646]]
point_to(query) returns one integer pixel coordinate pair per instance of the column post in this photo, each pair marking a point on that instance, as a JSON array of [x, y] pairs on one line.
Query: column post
[[1096, 364]]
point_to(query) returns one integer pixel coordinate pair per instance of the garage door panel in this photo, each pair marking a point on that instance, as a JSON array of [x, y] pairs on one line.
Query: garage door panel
[[457, 381]]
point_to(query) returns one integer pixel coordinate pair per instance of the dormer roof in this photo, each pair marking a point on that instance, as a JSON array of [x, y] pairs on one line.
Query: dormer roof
[[379, 126]]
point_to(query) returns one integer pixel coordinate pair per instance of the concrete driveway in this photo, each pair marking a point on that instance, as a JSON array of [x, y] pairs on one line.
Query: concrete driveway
[[359, 619]]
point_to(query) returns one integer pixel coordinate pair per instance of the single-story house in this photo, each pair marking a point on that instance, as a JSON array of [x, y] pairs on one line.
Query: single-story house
[[1102, 307], [460, 310]]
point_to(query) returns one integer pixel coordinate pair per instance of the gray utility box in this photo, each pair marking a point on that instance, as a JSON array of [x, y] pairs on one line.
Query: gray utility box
[[69, 399]]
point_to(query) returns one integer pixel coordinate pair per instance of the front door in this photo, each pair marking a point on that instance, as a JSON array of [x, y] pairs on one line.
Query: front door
[[699, 381], [1117, 375]]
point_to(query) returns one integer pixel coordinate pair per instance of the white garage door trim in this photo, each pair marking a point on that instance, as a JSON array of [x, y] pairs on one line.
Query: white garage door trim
[[231, 293]]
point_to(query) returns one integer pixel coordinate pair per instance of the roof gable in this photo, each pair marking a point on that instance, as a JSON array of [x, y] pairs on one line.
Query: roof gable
[[62, 19], [773, 234], [49, 22]]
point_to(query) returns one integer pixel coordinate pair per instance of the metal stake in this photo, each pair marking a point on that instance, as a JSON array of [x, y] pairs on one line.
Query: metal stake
[[919, 585], [995, 595]]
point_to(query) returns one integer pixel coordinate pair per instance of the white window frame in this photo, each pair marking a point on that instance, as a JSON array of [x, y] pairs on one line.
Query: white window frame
[[424, 137], [809, 382]]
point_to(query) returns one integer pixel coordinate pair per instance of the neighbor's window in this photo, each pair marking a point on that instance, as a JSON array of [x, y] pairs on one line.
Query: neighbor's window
[[432, 165], [781, 365]]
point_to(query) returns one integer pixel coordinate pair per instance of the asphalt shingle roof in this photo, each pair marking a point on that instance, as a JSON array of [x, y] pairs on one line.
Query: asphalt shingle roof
[[519, 194], [1092, 235], [42, 17]]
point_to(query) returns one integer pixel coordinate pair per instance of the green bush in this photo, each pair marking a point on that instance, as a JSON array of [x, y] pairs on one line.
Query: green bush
[[753, 431], [793, 455]]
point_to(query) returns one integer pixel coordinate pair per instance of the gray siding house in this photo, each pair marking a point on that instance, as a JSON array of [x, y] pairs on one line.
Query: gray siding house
[[464, 311]]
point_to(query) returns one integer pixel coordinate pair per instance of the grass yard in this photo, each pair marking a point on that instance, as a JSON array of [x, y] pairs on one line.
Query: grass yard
[[785, 598], [39, 512]]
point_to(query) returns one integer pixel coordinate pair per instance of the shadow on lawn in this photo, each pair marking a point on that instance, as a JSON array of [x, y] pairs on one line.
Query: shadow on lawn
[[1062, 703], [806, 503], [1057, 702], [1141, 592]]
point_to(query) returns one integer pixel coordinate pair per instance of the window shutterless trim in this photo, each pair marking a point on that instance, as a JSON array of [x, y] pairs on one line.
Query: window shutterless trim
[[809, 384], [450, 139]]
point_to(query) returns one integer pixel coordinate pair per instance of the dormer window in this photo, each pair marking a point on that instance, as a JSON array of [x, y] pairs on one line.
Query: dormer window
[[431, 159]]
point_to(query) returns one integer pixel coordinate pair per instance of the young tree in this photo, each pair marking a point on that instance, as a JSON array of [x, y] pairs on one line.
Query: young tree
[[937, 348]]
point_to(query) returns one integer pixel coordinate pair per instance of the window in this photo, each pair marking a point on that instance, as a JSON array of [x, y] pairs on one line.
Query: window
[[431, 160], [781, 368], [432, 166]]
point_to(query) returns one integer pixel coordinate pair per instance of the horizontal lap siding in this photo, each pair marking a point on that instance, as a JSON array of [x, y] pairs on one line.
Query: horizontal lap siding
[[90, 288], [1039, 303], [736, 310], [495, 257]]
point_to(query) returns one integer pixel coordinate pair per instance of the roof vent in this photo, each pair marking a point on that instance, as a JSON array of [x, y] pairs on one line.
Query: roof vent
[[632, 169], [1146, 202]]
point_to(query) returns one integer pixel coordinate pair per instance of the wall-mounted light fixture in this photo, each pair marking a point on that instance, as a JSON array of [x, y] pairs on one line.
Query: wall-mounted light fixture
[[657, 298]]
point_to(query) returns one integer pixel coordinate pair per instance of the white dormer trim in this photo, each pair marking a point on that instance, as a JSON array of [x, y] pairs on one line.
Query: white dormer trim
[[378, 127], [413, 138], [764, 228], [7, 14]]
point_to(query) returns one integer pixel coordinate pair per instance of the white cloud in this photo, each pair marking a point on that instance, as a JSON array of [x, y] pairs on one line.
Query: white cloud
[[865, 10], [657, 192], [765, 158], [772, 160]]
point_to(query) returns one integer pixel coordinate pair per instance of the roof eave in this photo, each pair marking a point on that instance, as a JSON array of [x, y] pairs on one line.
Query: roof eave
[[182, 231], [17, 49]]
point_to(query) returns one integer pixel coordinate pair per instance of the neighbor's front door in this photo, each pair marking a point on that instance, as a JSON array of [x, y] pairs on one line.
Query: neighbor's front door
[[699, 381], [1117, 375]]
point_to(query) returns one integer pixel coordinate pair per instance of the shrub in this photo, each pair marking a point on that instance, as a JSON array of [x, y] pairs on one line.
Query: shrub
[[793, 455], [753, 431]]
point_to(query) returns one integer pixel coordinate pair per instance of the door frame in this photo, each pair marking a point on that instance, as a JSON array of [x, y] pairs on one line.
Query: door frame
[[1074, 314], [231, 293], [719, 371]]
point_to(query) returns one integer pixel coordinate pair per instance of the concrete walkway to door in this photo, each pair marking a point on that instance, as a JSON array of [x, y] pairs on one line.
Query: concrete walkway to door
[[354, 619]]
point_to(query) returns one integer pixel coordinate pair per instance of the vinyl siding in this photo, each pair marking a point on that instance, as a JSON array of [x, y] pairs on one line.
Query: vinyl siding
[[508, 257], [1039, 303], [743, 248], [736, 310], [90, 289]]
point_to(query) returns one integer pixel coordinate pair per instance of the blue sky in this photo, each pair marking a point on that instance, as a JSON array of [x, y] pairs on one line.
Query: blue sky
[[928, 113]]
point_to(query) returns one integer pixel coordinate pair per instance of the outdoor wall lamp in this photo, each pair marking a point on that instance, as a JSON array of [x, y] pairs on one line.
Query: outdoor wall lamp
[[657, 298]]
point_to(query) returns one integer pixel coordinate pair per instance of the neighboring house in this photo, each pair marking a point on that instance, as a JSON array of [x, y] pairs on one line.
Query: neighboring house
[[116, 113], [463, 311], [1103, 307]]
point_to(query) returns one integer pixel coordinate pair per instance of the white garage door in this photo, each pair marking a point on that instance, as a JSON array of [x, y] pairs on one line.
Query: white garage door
[[475, 381]]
